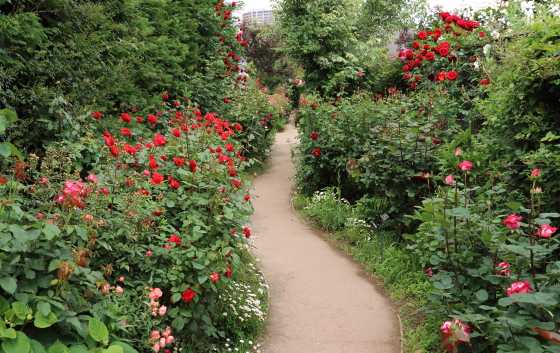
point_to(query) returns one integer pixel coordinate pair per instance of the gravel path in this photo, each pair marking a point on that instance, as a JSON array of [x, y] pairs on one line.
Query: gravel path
[[320, 300]]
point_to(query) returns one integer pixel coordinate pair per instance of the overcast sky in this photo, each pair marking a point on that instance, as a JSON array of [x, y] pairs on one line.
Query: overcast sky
[[448, 5]]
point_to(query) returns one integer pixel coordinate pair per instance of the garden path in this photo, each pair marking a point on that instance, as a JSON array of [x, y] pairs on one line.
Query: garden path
[[320, 300]]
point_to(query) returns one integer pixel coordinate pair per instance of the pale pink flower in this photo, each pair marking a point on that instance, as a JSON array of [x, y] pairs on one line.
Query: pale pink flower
[[162, 310], [121, 279], [169, 340], [155, 335], [535, 173], [40, 215], [155, 293], [156, 347], [167, 246], [119, 290], [162, 342], [105, 288], [458, 151], [45, 180]]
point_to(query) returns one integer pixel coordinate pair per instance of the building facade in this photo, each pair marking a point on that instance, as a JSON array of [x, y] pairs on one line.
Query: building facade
[[262, 16]]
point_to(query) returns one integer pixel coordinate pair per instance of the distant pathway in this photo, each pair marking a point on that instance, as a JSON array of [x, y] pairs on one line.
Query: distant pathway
[[320, 300]]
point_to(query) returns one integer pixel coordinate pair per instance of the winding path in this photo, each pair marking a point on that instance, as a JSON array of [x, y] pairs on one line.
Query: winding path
[[320, 300]]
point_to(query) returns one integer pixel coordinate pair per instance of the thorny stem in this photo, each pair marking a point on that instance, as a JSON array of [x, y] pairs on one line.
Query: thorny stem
[[532, 238]]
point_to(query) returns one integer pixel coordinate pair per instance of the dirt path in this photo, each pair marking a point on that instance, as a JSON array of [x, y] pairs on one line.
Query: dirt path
[[320, 300]]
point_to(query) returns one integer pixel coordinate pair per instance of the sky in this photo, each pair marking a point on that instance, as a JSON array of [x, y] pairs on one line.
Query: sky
[[448, 5]]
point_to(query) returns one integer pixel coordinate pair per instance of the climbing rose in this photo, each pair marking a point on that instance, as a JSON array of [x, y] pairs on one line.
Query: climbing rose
[[519, 287], [156, 178], [188, 295], [465, 166], [314, 135], [317, 152], [546, 231], [512, 221]]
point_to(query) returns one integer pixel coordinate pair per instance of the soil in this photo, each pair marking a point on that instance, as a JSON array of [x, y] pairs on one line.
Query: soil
[[321, 301]]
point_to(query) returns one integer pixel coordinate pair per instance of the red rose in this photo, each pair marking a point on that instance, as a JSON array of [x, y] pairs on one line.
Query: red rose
[[228, 272], [485, 82], [215, 277], [126, 117], [152, 119], [97, 115], [156, 178], [192, 165], [126, 132], [176, 132], [422, 35], [188, 295], [174, 184], [175, 239], [317, 152], [165, 96], [452, 75], [314, 135], [481, 34], [430, 56], [159, 140]]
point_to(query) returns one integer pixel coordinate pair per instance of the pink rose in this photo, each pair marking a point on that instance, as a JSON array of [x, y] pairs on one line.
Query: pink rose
[[92, 177], [449, 179], [465, 166], [121, 279], [119, 290], [535, 173], [162, 310], [155, 293], [519, 287], [504, 264], [105, 288], [155, 335], [146, 172], [458, 151], [45, 180], [456, 325], [512, 221], [546, 231], [40, 215], [169, 340]]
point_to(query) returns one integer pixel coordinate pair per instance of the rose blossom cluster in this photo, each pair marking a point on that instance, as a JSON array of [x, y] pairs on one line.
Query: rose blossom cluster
[[156, 293], [160, 340], [73, 192]]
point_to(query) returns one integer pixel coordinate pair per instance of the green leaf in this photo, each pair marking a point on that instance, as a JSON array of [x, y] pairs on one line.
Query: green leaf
[[51, 231], [9, 333], [482, 295], [5, 150], [78, 349], [43, 321], [20, 309], [98, 330], [9, 284], [113, 349], [176, 297], [9, 115], [505, 301], [19, 344], [4, 305], [14, 150], [513, 205], [125, 347], [37, 347], [178, 323], [58, 347], [44, 308]]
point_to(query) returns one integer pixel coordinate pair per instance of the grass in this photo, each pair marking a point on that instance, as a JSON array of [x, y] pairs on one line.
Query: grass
[[383, 257]]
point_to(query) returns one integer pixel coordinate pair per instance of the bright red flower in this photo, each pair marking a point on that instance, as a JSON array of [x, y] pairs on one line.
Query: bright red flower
[[156, 178], [430, 56], [153, 164], [175, 239], [97, 115], [126, 118], [504, 268], [105, 191], [152, 119], [126, 132], [188, 295], [178, 161], [485, 82], [192, 165], [535, 173], [228, 272], [247, 232], [317, 152], [165, 96], [238, 127], [159, 140], [215, 277], [247, 197], [452, 75], [176, 132], [422, 35], [481, 34], [129, 182], [360, 74], [174, 184], [314, 135]]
